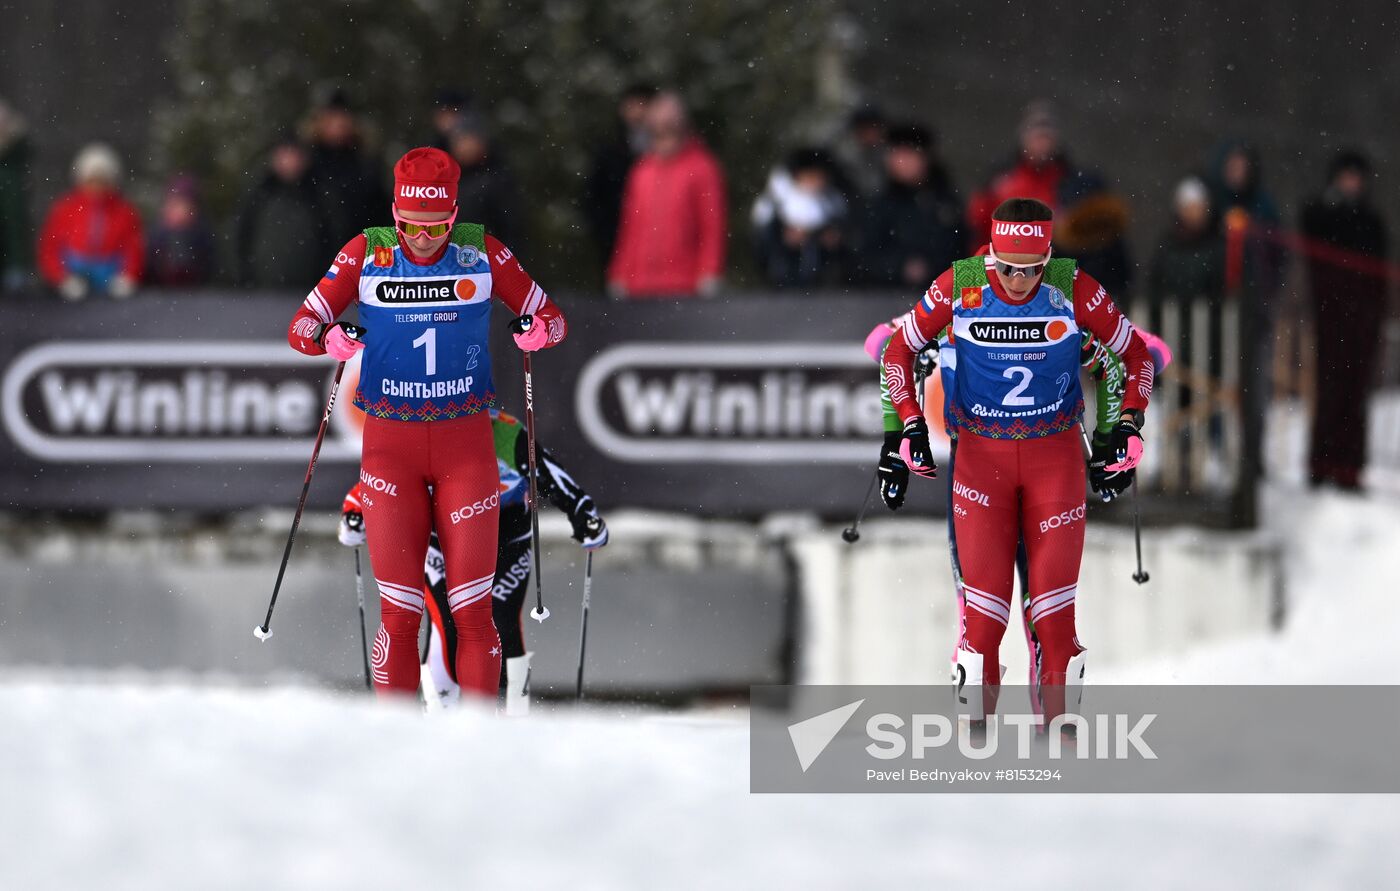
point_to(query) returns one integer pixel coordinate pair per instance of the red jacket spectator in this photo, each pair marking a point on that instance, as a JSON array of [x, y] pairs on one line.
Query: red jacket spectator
[[1023, 179], [104, 225], [92, 237], [671, 236], [1037, 172]]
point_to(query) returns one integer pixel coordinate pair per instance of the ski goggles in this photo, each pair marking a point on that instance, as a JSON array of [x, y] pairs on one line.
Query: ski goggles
[[1029, 270], [411, 229]]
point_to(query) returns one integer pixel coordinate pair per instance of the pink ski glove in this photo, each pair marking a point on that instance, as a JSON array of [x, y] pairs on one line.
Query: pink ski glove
[[875, 340], [1125, 441], [1133, 456], [342, 340], [914, 449], [1161, 353], [528, 335]]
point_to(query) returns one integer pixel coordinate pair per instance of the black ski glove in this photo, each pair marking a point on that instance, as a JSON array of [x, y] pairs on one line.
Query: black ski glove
[[893, 472], [1107, 484], [351, 530], [589, 529]]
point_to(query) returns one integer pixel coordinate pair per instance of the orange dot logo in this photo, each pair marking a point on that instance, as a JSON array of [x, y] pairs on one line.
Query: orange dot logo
[[1055, 330], [465, 289]]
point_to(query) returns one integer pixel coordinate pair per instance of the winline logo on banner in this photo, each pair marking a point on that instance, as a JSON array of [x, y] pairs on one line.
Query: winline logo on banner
[[749, 403], [151, 401]]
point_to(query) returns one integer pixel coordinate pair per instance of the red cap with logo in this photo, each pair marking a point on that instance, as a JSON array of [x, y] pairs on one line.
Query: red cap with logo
[[1021, 238], [425, 180]]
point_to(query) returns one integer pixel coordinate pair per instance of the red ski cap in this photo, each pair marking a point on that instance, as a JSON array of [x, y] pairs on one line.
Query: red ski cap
[[1021, 238], [425, 180]]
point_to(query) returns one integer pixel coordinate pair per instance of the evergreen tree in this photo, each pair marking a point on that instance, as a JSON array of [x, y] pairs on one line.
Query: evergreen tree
[[545, 73]]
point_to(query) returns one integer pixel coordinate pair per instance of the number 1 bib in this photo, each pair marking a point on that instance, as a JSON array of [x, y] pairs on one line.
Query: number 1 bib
[[425, 356], [1017, 365]]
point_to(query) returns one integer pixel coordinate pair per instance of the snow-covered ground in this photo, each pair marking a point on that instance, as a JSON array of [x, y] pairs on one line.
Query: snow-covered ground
[[1343, 620], [120, 786], [128, 783]]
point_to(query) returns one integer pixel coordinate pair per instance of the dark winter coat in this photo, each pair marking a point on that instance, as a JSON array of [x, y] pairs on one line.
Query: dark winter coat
[[180, 257], [602, 193], [283, 236], [905, 223], [16, 232], [488, 194], [1351, 226], [1346, 244], [1187, 265], [350, 191]]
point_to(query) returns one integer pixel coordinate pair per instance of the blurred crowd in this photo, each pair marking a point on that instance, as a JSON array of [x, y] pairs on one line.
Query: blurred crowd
[[873, 207]]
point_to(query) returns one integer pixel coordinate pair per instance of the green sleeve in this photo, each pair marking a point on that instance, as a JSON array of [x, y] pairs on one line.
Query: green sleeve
[[507, 434], [1106, 368]]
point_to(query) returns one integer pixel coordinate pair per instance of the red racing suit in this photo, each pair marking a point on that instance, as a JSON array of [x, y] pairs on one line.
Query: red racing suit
[[1014, 479], [429, 458]]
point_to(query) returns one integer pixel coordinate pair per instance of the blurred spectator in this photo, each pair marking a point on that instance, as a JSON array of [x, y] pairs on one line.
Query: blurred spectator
[[798, 221], [348, 183], [487, 193], [1090, 220], [1254, 263], [672, 230], [16, 238], [1091, 226], [1190, 257], [1349, 304], [91, 240], [283, 236], [607, 177], [182, 243], [1238, 183], [1188, 270], [1037, 171], [861, 152], [1246, 208], [912, 231], [448, 107]]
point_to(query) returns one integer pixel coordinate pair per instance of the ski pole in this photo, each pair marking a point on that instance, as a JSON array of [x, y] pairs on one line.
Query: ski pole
[[851, 534], [583, 628], [360, 596], [539, 613], [263, 632], [1141, 575]]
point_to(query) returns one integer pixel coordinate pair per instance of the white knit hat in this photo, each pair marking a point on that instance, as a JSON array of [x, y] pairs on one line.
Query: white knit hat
[[1191, 191], [97, 160]]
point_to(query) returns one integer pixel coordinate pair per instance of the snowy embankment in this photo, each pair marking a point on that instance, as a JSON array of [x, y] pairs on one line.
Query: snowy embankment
[[120, 786], [147, 785], [1343, 613]]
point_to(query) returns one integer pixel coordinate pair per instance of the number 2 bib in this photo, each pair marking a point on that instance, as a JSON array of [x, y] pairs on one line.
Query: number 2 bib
[[1017, 365], [425, 356]]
